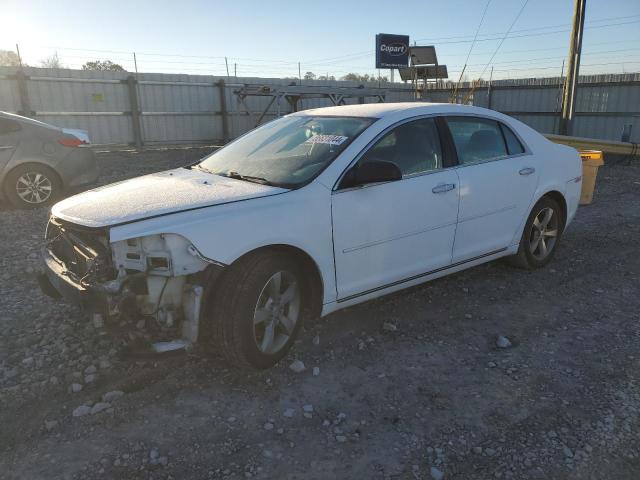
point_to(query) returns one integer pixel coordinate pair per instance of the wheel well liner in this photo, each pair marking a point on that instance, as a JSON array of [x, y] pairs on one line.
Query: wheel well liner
[[558, 197]]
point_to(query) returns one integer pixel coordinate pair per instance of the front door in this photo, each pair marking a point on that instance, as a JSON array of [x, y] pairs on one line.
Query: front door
[[386, 233]]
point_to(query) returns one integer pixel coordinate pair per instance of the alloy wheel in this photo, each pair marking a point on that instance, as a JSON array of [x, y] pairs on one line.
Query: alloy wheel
[[276, 313], [34, 188], [544, 233]]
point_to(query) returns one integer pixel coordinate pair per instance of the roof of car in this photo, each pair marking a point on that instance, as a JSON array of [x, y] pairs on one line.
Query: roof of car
[[379, 110]]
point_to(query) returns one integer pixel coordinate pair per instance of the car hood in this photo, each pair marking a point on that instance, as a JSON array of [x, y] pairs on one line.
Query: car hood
[[156, 194]]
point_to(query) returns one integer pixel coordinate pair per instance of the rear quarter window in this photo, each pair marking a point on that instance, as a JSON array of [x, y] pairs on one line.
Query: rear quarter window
[[514, 147]]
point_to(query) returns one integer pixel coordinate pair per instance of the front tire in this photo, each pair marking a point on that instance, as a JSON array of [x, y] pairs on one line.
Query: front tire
[[541, 235], [32, 186], [257, 310]]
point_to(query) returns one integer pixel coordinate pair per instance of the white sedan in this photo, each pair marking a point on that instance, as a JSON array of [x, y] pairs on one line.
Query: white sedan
[[311, 213]]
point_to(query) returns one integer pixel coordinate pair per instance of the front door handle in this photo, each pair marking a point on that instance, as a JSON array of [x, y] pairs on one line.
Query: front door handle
[[6, 147], [443, 187], [527, 171]]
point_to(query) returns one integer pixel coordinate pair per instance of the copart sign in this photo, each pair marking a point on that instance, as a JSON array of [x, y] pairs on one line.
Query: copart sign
[[392, 51]]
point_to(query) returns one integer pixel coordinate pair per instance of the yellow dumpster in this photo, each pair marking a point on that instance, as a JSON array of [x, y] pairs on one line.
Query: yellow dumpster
[[591, 161]]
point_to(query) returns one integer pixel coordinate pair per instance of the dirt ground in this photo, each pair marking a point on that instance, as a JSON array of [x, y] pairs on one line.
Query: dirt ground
[[410, 386]]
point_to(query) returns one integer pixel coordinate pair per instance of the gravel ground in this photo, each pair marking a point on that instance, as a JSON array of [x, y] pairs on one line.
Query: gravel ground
[[411, 386]]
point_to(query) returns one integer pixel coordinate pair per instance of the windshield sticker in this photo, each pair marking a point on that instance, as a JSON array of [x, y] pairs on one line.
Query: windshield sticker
[[327, 139]]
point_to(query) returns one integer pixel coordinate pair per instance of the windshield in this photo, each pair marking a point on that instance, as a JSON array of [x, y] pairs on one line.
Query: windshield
[[286, 152]]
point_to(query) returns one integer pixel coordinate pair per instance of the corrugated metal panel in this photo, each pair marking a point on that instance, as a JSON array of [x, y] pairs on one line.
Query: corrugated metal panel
[[186, 108]]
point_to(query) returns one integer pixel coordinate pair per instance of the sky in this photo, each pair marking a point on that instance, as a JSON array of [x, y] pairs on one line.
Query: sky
[[268, 39]]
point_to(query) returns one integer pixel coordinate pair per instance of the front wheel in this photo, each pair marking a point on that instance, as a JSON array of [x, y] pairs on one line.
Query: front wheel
[[257, 311], [541, 235]]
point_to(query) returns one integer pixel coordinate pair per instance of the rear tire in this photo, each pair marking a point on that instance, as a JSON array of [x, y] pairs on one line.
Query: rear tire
[[541, 235], [32, 185], [257, 310]]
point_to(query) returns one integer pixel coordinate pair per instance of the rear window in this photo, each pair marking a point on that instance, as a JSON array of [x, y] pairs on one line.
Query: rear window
[[8, 126]]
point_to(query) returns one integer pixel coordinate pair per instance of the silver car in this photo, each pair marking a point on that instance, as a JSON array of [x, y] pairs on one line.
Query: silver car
[[39, 162]]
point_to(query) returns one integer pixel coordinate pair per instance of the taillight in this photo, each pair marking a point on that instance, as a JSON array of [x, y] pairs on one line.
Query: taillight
[[70, 142]]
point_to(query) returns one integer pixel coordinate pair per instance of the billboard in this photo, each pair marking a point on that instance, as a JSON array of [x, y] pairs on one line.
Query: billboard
[[392, 51]]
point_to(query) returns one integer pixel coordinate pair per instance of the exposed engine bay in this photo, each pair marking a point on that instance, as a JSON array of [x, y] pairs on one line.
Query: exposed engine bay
[[161, 277]]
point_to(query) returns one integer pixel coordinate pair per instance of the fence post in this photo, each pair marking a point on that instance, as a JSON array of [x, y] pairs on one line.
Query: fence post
[[135, 111], [24, 94], [223, 110]]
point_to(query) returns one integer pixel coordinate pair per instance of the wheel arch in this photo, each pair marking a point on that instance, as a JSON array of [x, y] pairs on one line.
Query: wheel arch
[[312, 272], [558, 197]]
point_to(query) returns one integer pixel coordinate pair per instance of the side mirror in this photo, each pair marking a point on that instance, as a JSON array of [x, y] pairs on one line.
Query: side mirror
[[375, 171]]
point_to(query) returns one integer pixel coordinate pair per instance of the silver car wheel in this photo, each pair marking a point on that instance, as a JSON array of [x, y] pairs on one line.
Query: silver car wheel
[[276, 313], [544, 233], [34, 187]]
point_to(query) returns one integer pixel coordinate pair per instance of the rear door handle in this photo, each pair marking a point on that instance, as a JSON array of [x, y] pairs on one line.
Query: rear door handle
[[6, 147], [527, 171], [443, 187]]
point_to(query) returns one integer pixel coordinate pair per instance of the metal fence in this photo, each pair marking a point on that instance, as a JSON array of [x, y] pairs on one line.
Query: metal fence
[[124, 108], [150, 108], [607, 106]]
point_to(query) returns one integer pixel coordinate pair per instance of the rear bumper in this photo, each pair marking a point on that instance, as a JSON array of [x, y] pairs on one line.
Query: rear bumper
[[79, 169], [56, 282]]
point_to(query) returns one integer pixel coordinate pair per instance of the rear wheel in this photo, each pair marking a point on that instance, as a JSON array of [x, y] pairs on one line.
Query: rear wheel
[[257, 311], [32, 186], [541, 235]]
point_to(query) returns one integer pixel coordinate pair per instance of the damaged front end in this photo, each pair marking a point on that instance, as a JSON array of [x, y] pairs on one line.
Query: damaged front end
[[158, 276]]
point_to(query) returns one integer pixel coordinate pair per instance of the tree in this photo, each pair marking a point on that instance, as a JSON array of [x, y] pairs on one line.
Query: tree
[[103, 65], [326, 77], [9, 59], [309, 76], [356, 77], [51, 62]]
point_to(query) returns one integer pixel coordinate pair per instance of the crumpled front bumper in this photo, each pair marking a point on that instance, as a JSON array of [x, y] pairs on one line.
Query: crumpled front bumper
[[56, 282]]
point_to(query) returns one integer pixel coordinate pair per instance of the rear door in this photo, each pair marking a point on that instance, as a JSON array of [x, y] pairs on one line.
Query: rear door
[[387, 233], [498, 178], [8, 140]]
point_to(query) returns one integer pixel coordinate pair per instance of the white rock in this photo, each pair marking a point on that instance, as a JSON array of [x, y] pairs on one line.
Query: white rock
[[268, 426], [316, 371], [92, 377], [76, 387], [436, 473], [90, 369], [503, 342], [50, 424], [297, 366], [112, 396], [81, 411], [289, 412], [316, 340], [99, 407], [308, 408], [389, 327], [341, 438]]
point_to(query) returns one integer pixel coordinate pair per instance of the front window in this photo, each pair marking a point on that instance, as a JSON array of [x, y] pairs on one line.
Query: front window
[[287, 152]]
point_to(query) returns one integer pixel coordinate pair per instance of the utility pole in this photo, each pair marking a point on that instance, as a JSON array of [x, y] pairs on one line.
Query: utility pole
[[19, 57], [226, 63], [573, 68]]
